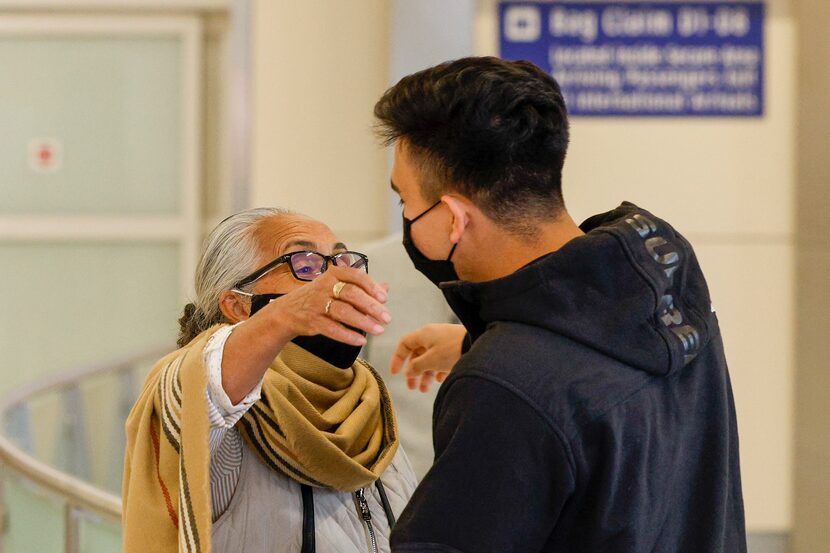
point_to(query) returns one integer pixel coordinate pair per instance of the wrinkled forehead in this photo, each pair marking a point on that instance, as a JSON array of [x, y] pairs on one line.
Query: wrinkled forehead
[[289, 233]]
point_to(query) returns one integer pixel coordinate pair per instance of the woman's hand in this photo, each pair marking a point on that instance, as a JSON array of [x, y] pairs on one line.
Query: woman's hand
[[314, 309], [432, 351], [254, 345]]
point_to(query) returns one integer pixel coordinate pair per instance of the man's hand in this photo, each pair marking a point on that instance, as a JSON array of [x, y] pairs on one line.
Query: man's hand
[[432, 351]]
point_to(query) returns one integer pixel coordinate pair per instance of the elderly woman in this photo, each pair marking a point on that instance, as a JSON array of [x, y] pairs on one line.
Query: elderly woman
[[265, 432]]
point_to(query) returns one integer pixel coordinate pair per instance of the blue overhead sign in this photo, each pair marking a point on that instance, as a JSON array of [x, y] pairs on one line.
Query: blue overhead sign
[[644, 59]]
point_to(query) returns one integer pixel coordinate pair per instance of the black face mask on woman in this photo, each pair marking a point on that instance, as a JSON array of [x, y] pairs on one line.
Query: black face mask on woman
[[436, 270], [331, 351]]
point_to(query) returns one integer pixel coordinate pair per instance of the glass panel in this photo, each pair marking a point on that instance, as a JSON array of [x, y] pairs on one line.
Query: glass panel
[[98, 536], [47, 426], [101, 113], [104, 430], [73, 304], [36, 520]]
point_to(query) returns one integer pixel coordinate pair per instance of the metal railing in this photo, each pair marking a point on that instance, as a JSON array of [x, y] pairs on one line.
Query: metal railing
[[81, 500]]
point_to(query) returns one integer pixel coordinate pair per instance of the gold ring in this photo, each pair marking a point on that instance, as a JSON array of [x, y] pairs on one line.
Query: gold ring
[[338, 288], [328, 306]]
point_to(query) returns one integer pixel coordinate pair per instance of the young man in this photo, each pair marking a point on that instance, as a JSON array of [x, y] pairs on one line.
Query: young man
[[592, 410]]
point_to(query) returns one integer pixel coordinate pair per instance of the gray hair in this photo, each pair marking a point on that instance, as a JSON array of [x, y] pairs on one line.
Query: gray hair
[[230, 253]]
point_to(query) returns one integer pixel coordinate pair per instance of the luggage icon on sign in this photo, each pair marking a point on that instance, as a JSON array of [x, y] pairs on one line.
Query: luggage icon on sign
[[522, 24]]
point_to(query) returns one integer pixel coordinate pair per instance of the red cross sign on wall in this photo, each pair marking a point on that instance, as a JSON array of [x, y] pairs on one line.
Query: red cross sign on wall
[[45, 155]]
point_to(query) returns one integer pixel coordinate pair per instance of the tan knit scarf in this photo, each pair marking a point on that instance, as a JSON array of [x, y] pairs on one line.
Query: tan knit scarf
[[316, 423]]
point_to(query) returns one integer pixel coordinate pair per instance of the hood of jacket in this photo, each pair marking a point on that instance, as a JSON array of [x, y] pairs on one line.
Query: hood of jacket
[[631, 288]]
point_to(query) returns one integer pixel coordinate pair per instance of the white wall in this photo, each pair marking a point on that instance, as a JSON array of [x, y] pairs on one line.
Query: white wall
[[426, 33], [318, 68], [812, 460], [729, 186]]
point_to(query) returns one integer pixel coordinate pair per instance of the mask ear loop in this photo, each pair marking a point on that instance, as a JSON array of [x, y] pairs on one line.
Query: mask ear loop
[[452, 251], [433, 206]]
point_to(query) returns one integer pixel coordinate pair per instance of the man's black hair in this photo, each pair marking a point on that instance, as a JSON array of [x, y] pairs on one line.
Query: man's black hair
[[493, 130]]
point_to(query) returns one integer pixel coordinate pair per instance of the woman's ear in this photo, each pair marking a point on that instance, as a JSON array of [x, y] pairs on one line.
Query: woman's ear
[[233, 307], [459, 207]]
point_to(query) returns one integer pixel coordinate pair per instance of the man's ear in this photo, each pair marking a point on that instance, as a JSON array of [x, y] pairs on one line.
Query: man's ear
[[233, 307], [460, 208]]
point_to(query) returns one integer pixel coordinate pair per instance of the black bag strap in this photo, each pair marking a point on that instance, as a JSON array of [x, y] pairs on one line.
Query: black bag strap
[[308, 519], [308, 514], [390, 516]]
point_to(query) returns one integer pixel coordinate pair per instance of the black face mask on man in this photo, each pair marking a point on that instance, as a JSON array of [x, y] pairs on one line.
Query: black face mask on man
[[436, 270], [331, 351]]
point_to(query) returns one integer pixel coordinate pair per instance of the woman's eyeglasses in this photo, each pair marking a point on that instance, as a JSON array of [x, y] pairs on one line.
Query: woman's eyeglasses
[[308, 265]]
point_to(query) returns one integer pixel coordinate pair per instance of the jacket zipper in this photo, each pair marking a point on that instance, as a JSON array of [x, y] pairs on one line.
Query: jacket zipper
[[366, 515]]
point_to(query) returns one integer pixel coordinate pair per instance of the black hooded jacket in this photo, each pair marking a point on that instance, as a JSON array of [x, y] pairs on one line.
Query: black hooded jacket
[[593, 411]]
